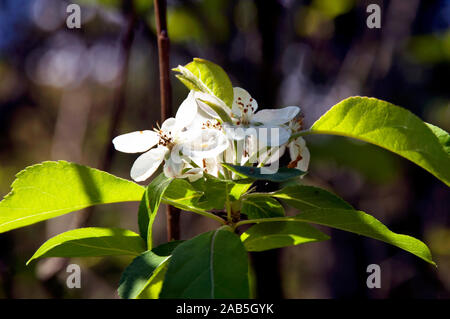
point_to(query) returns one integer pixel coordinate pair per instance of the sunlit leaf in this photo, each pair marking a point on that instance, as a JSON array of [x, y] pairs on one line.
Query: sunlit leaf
[[51, 189], [143, 277], [91, 241], [265, 236], [149, 206], [205, 76], [261, 207], [388, 126], [321, 207]]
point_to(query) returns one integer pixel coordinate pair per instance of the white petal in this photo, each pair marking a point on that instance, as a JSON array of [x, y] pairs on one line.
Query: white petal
[[193, 174], [174, 164], [243, 100], [169, 125], [276, 116], [209, 143], [146, 164], [272, 135], [299, 154], [304, 162], [187, 111], [200, 96], [135, 142]]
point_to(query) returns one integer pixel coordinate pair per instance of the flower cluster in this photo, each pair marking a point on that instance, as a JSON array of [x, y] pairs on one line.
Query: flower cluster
[[206, 132]]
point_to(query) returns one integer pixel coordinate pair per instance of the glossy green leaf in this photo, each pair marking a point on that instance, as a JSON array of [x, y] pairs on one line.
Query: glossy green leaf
[[256, 173], [144, 276], [205, 76], [51, 189], [388, 126], [140, 274], [364, 224], [319, 206], [149, 206], [154, 285], [261, 207], [91, 241], [211, 265], [181, 192], [307, 197], [265, 236], [443, 136]]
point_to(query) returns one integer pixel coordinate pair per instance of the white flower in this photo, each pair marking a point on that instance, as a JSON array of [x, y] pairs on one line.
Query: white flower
[[267, 125], [174, 142], [299, 153]]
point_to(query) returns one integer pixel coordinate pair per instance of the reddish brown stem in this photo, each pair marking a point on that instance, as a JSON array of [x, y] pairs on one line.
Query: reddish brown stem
[[173, 214]]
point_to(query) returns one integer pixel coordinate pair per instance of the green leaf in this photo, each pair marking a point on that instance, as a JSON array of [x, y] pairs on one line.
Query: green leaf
[[205, 76], [154, 285], [239, 187], [91, 241], [321, 207], [181, 192], [51, 189], [261, 207], [364, 224], [211, 265], [283, 173], [149, 206], [388, 126], [265, 236], [139, 275], [307, 197], [144, 276], [443, 136], [214, 192]]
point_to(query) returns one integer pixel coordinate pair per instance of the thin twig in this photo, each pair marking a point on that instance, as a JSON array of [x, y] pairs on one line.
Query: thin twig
[[173, 214]]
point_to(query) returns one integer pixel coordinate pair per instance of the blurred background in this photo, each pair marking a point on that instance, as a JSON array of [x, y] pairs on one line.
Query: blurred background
[[64, 93]]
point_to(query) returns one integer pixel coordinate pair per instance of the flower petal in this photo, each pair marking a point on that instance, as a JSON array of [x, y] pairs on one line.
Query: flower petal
[[135, 142], [276, 116], [146, 164], [200, 96], [173, 166], [187, 111], [272, 135], [299, 154], [169, 125], [208, 143], [242, 100]]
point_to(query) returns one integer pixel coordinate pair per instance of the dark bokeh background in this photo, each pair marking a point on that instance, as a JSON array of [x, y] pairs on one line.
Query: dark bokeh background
[[61, 92]]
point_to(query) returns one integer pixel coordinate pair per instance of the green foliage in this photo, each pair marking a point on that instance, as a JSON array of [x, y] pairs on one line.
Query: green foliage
[[149, 205], [272, 235], [261, 207], [388, 126], [256, 173], [91, 241], [52, 189], [443, 136], [320, 207], [144, 276], [204, 76], [215, 264], [307, 197], [211, 265]]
